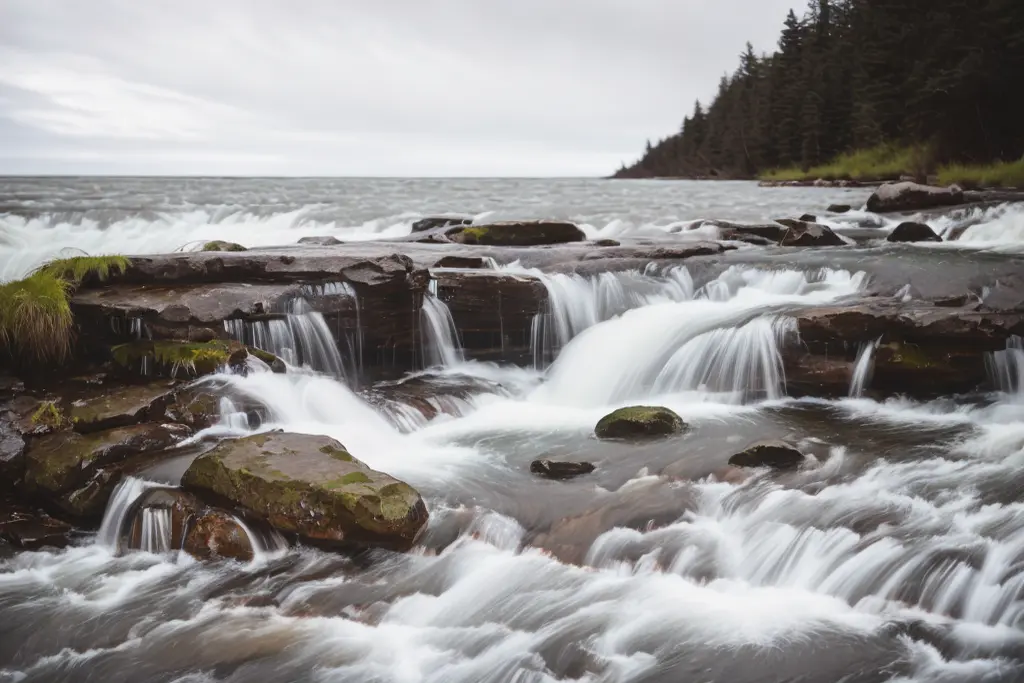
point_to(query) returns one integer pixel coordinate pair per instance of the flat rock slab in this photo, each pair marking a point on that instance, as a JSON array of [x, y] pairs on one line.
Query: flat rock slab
[[310, 486], [908, 196], [108, 406]]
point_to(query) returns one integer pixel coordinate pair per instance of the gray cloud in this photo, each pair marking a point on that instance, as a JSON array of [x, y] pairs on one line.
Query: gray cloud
[[346, 87]]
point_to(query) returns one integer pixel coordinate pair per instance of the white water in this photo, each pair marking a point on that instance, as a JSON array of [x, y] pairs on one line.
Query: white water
[[1007, 367], [156, 530], [115, 516], [862, 369], [440, 345]]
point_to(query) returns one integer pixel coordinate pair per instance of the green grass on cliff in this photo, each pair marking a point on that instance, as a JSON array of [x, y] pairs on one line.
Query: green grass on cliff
[[884, 162], [36, 323], [998, 174]]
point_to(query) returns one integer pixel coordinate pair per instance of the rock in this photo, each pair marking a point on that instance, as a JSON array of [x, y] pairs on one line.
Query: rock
[[908, 196], [220, 245], [216, 535], [196, 406], [238, 361], [31, 529], [551, 469], [320, 240], [606, 243], [772, 232], [106, 407], [839, 208], [310, 486], [77, 472], [809, 218], [639, 422], [912, 232], [801, 234], [172, 358], [464, 262], [12, 449], [517, 233], [775, 454], [433, 222]]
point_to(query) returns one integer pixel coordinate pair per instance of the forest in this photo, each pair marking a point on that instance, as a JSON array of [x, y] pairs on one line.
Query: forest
[[862, 87]]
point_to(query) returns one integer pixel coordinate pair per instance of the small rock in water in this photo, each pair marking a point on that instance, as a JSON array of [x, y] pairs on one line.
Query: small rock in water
[[518, 233], [637, 422], [809, 218], [775, 454], [839, 208], [908, 196], [913, 232], [221, 245], [560, 470], [432, 222], [804, 234], [606, 243], [321, 240]]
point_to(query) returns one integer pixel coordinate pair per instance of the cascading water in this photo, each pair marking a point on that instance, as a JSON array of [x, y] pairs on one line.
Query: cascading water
[[862, 368], [156, 530], [115, 516], [440, 346], [1007, 367], [301, 338]]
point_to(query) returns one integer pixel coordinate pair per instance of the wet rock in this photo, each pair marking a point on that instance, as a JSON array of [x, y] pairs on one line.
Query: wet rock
[[218, 535], [606, 243], [803, 234], [637, 422], [221, 245], [238, 361], [31, 529], [909, 196], [462, 262], [551, 469], [77, 472], [12, 449], [109, 406], [434, 222], [320, 240], [770, 232], [172, 358], [775, 454], [310, 486], [196, 406], [809, 218], [839, 208], [517, 233], [913, 232]]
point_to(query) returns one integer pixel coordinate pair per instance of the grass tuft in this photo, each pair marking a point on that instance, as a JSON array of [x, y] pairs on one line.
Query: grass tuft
[[76, 268], [36, 324], [884, 162], [998, 174]]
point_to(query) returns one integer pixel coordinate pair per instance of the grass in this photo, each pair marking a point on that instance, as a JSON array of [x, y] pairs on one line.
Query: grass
[[884, 162], [36, 323], [998, 174]]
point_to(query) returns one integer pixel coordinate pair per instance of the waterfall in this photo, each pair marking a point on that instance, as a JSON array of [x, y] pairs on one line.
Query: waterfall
[[114, 518], [265, 545], [440, 346], [862, 370], [301, 338], [1006, 368], [156, 530]]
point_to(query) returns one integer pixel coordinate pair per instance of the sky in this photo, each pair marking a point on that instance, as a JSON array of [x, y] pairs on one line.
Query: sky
[[359, 88]]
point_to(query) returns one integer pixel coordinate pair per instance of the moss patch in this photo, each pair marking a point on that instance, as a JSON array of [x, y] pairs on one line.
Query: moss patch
[[639, 422], [173, 357], [48, 414], [518, 234], [221, 245]]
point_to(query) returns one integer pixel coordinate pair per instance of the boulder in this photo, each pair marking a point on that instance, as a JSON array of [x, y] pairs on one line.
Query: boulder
[[775, 454], [31, 529], [809, 218], [839, 208], [196, 406], [221, 245], [218, 535], [433, 222], [551, 469], [78, 472], [463, 262], [772, 232], [320, 240], [636, 422], [909, 196], [803, 234], [517, 233], [310, 486], [912, 232], [106, 406]]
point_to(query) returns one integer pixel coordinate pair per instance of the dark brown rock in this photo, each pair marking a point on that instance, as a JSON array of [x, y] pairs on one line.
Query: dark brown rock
[[434, 222], [639, 422], [775, 454], [30, 529], [909, 196], [117, 405], [809, 218], [912, 232], [802, 234], [462, 262], [320, 240], [218, 535], [517, 233], [551, 469], [839, 208], [310, 486]]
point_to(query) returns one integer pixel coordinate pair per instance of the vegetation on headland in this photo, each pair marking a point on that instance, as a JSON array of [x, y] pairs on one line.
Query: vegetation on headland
[[999, 174], [890, 78], [36, 323]]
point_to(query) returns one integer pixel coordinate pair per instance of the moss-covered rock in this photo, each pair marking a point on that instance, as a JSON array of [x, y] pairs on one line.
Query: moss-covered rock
[[638, 422], [310, 486], [320, 241], [517, 234], [775, 454], [172, 358], [77, 472], [221, 245], [106, 407]]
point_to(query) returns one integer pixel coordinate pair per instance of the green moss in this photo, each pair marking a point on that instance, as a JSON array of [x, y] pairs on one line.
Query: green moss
[[196, 358], [639, 421], [998, 174], [909, 356], [348, 480], [75, 269], [264, 356], [48, 415], [336, 453], [221, 245], [884, 162]]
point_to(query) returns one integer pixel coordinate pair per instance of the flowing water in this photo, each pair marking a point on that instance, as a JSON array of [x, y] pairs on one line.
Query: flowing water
[[897, 554]]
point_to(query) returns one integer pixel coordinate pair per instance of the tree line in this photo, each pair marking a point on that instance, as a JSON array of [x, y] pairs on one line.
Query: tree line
[[943, 76]]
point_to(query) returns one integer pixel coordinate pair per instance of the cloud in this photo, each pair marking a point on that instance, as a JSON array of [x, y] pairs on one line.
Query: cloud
[[447, 87]]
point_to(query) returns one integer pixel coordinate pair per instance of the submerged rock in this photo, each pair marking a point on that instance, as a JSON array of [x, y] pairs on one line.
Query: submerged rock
[[221, 245], [639, 422], [803, 234], [909, 196], [839, 208], [310, 486], [552, 469], [320, 240], [77, 472], [913, 232], [518, 233], [775, 454], [433, 222]]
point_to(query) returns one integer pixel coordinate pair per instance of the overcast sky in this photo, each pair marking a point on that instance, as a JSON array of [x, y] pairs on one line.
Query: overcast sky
[[358, 87]]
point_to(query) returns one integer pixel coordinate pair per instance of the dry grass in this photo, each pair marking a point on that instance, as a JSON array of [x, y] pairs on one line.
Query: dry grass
[[885, 162]]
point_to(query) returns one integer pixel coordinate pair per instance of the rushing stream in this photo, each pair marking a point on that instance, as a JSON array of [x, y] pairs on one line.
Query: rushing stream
[[898, 556]]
